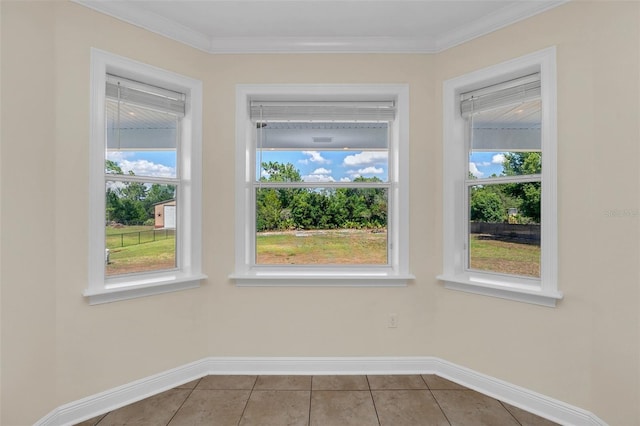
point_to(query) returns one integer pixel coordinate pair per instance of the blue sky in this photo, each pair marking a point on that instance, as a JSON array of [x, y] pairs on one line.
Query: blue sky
[[146, 163], [332, 166], [314, 166], [484, 164]]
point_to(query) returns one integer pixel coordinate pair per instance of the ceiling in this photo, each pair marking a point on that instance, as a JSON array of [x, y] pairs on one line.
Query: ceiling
[[314, 26]]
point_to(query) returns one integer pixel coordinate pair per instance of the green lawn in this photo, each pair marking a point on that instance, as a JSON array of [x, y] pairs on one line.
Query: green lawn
[[148, 255], [133, 235], [111, 230], [504, 257], [328, 247]]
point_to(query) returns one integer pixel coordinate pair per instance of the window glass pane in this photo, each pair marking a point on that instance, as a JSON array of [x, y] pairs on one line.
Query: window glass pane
[[140, 231], [330, 226], [504, 228], [140, 141], [323, 166], [506, 141], [322, 152]]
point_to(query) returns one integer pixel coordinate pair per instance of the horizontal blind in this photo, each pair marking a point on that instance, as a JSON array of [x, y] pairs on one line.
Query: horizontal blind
[[323, 111], [144, 95], [508, 93]]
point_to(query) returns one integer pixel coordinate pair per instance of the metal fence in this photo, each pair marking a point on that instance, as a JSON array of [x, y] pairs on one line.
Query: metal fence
[[505, 231], [139, 237]]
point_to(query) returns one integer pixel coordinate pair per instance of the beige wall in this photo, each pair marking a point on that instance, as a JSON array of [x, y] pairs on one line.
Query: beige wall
[[588, 347], [28, 314], [56, 348]]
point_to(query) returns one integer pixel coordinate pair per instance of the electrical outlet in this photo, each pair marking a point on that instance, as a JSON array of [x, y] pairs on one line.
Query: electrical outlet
[[393, 321]]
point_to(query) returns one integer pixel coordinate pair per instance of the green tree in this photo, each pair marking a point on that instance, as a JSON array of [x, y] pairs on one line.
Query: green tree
[[125, 201], [308, 210], [274, 171], [367, 206], [528, 194], [278, 172], [522, 163], [158, 193], [113, 206], [304, 208], [134, 191], [337, 208], [268, 210], [486, 206], [111, 167]]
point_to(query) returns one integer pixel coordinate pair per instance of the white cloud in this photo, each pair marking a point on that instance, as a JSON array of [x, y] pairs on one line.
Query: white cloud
[[474, 170], [345, 179], [497, 159], [321, 171], [147, 168], [318, 178], [319, 175], [366, 158], [371, 171], [365, 171], [118, 156], [314, 157], [140, 167]]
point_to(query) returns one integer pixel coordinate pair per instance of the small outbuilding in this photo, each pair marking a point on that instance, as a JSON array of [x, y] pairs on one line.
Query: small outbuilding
[[165, 214]]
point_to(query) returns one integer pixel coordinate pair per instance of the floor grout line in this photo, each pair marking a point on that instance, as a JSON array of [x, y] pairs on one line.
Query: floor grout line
[[375, 409], [244, 410], [185, 400], [310, 400], [509, 411], [438, 403], [346, 387]]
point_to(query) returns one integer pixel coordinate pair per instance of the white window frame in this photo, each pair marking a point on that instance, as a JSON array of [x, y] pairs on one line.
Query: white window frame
[[188, 273], [543, 291], [396, 273]]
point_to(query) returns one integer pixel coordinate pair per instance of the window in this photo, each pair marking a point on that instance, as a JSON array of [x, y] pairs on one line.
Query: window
[[322, 181], [145, 180], [500, 226]]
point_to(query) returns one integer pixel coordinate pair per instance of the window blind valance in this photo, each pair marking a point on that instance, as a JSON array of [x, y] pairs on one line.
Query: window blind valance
[[322, 111], [508, 93], [144, 95]]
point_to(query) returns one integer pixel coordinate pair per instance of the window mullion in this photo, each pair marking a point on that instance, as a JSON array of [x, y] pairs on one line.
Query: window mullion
[[141, 179], [283, 185], [504, 179]]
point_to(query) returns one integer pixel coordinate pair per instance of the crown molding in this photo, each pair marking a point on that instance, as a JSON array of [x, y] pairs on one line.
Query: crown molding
[[495, 21], [322, 45], [130, 13]]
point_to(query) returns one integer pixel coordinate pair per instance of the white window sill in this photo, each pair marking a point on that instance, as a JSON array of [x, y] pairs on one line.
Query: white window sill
[[143, 287], [517, 292], [321, 279]]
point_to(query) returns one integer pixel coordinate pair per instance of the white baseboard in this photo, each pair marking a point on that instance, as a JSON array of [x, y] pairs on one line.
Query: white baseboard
[[120, 396], [109, 400]]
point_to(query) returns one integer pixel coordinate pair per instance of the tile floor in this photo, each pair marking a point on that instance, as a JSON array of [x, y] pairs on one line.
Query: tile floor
[[395, 400]]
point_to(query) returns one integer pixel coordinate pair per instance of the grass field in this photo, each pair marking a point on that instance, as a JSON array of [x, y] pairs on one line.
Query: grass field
[[504, 257], [147, 256], [326, 247]]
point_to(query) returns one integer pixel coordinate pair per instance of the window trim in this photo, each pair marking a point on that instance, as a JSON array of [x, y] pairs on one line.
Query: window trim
[[394, 274], [543, 291], [189, 246]]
